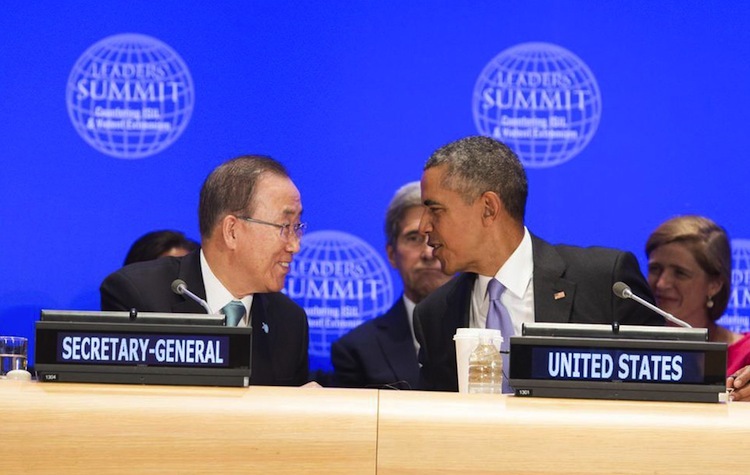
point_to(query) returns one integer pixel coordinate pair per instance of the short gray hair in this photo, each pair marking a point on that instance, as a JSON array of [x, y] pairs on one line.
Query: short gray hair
[[478, 164], [230, 188], [405, 198]]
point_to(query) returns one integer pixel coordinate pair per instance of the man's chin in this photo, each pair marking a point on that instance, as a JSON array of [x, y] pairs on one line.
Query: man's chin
[[276, 286], [429, 283], [444, 264], [447, 269]]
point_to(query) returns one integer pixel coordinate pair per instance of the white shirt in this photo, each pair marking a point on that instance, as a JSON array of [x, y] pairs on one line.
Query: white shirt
[[410, 316], [517, 276], [218, 296]]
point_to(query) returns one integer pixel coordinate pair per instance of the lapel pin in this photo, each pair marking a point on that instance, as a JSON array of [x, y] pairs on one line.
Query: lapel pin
[[265, 327], [560, 295]]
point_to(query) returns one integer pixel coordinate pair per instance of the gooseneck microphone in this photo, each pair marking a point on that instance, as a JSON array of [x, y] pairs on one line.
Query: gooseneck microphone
[[180, 288], [622, 290]]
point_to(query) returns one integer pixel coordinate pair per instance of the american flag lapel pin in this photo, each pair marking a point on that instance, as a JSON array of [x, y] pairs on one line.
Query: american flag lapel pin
[[560, 295]]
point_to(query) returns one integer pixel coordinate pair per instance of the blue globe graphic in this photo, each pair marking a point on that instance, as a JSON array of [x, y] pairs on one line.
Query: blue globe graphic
[[130, 96], [341, 282], [539, 99], [737, 314]]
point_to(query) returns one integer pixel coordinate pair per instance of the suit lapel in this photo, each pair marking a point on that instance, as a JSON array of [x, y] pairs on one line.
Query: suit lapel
[[395, 339], [553, 295], [456, 315], [459, 303], [190, 272], [266, 353]]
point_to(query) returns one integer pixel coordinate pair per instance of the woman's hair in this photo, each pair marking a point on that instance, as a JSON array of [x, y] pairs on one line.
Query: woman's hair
[[708, 243], [156, 243]]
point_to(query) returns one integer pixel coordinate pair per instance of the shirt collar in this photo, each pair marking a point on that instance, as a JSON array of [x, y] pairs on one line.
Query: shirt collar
[[217, 295], [409, 311], [410, 316], [516, 273]]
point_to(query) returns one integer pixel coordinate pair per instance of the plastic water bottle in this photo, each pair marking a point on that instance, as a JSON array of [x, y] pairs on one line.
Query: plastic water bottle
[[485, 368]]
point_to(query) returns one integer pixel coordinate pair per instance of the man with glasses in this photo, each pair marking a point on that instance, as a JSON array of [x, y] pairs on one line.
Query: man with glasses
[[383, 352], [249, 216]]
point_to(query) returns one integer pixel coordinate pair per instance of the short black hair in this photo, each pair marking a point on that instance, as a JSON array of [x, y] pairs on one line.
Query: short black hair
[[156, 243], [478, 164]]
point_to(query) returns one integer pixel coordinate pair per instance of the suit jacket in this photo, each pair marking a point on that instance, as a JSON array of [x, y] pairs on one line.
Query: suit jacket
[[377, 353], [585, 275], [279, 357]]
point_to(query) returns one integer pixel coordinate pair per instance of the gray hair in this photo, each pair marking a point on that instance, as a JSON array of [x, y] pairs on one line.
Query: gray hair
[[405, 198], [230, 188], [478, 164]]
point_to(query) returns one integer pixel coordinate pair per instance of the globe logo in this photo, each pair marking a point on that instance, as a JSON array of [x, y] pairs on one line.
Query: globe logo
[[130, 96], [539, 99], [341, 281], [737, 316]]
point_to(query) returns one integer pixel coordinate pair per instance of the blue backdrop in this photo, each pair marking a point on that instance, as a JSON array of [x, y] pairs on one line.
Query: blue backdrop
[[353, 97]]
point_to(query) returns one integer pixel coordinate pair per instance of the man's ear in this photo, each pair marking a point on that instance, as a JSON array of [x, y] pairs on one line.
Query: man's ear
[[491, 206], [230, 231], [391, 253]]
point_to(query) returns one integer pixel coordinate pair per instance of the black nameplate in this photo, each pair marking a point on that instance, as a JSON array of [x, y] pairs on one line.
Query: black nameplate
[[142, 353], [612, 368], [189, 350]]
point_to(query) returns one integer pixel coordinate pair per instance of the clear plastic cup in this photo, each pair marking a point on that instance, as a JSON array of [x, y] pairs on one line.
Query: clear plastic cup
[[13, 354], [466, 340]]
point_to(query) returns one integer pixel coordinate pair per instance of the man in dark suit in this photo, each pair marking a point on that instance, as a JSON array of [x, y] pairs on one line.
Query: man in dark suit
[[249, 217], [475, 192], [382, 352]]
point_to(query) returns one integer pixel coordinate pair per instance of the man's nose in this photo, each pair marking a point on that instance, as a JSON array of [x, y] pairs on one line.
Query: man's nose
[[425, 225], [293, 243], [427, 251]]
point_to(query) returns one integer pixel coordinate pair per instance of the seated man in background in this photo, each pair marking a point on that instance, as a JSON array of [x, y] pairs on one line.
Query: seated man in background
[[474, 191], [690, 273], [249, 216], [160, 244], [382, 352]]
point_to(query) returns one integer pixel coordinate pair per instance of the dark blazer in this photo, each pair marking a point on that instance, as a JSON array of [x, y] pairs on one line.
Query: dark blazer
[[377, 353], [279, 357], [585, 275]]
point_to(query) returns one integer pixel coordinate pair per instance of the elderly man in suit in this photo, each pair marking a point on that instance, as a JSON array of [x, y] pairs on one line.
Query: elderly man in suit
[[249, 216], [383, 351], [475, 191]]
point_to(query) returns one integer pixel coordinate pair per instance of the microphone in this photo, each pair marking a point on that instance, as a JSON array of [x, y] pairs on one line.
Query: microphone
[[622, 290], [180, 288]]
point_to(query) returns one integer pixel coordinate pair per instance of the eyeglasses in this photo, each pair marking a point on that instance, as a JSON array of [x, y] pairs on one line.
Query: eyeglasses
[[284, 229], [414, 239]]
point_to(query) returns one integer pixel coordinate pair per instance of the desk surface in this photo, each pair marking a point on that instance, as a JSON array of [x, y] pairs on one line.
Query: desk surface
[[94, 428], [478, 433]]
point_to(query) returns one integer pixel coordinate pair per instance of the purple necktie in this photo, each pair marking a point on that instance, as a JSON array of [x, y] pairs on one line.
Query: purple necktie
[[498, 318]]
